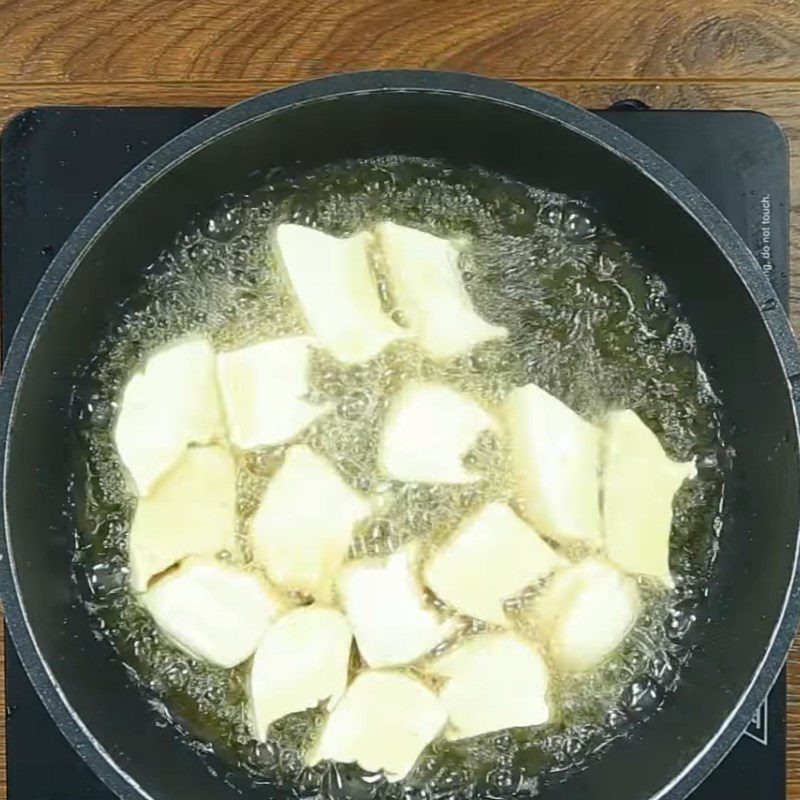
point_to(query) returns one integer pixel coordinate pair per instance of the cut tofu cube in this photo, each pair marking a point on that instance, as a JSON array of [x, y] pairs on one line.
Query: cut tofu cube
[[427, 287], [304, 524], [492, 556], [386, 606], [191, 511], [585, 612], [338, 296], [556, 460], [263, 390], [172, 403], [639, 483], [428, 430], [214, 611], [383, 723], [302, 660], [493, 682]]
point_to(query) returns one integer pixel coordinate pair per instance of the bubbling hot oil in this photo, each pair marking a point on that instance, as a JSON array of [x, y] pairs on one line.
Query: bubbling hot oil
[[586, 323]]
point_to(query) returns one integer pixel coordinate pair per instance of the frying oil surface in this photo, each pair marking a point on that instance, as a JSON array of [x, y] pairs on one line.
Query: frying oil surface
[[586, 323]]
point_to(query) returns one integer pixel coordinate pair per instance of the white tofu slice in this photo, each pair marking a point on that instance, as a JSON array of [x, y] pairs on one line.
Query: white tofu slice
[[386, 606], [383, 723], [492, 556], [302, 660], [172, 403], [214, 611], [303, 526], [336, 290], [493, 682], [191, 511], [585, 612], [557, 461], [263, 390], [639, 483], [427, 287], [428, 430]]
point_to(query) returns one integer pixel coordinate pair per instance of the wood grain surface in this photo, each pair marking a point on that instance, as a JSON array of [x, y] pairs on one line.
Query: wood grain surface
[[727, 54]]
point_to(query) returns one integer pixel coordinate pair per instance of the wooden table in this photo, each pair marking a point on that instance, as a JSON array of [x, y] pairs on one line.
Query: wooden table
[[670, 53]]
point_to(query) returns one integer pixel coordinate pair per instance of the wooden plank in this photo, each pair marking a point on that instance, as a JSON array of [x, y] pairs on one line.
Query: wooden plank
[[286, 40], [60, 70]]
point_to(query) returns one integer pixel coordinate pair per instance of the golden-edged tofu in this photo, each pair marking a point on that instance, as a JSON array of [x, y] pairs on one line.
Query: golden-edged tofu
[[556, 461], [427, 287], [334, 285], [383, 723], [172, 403], [191, 511], [639, 483], [264, 388], [392, 621], [304, 524], [428, 430], [492, 556], [493, 681], [302, 660], [585, 612], [214, 611]]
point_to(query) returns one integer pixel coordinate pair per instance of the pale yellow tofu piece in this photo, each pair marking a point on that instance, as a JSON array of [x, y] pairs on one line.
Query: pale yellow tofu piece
[[191, 511], [557, 462], [639, 483], [264, 387], [428, 430], [338, 296], [304, 524], [492, 556], [585, 612], [302, 660], [172, 403], [383, 723], [493, 682], [427, 287], [392, 621], [214, 611]]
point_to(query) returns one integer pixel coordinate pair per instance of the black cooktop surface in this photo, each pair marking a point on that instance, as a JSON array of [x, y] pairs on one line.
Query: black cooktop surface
[[57, 162]]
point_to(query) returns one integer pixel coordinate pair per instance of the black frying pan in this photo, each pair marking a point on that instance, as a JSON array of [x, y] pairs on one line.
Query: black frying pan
[[743, 337]]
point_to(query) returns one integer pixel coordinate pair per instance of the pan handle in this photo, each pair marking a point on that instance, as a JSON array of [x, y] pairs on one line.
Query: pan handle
[[629, 104]]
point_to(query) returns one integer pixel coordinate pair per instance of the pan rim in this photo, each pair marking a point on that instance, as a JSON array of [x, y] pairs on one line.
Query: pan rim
[[604, 134]]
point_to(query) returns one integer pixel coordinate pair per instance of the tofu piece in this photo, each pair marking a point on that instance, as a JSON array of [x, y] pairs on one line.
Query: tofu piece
[[392, 622], [214, 611], [383, 723], [191, 511], [493, 682], [172, 403], [302, 660], [585, 612], [336, 290], [639, 483], [263, 389], [492, 556], [427, 287], [304, 524], [428, 430], [556, 457]]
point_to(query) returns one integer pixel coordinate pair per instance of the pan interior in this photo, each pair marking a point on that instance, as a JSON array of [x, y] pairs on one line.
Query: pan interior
[[586, 323]]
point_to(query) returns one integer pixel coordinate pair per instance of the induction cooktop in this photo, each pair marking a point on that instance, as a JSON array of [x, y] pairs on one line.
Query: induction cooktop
[[57, 162]]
